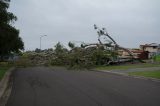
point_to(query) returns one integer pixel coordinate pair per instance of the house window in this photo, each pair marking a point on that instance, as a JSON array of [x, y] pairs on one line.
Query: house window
[[154, 47]]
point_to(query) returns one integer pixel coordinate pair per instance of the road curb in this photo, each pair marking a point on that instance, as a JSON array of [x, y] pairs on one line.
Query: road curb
[[5, 82], [127, 75]]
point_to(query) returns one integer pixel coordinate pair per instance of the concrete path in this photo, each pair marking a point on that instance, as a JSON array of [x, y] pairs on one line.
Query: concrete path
[[133, 70], [40, 86]]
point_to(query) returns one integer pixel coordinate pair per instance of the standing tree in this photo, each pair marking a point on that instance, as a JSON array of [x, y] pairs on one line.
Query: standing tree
[[10, 42], [71, 45], [60, 55]]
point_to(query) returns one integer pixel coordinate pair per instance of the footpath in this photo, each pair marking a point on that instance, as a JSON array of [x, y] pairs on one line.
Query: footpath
[[126, 71]]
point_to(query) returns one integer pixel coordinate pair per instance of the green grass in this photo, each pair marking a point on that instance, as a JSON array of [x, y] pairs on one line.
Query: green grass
[[125, 67], [152, 74], [157, 58], [3, 71]]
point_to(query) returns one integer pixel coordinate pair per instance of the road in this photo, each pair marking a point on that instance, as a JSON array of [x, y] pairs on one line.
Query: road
[[41, 86]]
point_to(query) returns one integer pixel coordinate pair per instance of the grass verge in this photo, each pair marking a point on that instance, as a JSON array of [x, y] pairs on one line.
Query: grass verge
[[3, 71], [152, 74], [125, 67]]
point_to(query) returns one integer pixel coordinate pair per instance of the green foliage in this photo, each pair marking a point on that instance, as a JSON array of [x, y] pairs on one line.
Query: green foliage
[[79, 57], [9, 36], [71, 45], [37, 50], [60, 55], [58, 48], [101, 56], [6, 17], [23, 61]]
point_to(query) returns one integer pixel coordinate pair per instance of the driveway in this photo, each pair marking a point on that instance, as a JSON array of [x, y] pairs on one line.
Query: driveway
[[41, 86]]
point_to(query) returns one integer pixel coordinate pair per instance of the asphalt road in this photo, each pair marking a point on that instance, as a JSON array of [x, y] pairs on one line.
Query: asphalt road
[[40, 86]]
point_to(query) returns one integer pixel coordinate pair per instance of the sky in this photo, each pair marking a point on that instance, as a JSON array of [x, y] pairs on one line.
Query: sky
[[129, 22]]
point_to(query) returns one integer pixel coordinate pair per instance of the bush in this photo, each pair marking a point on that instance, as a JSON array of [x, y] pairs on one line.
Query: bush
[[3, 64], [23, 61]]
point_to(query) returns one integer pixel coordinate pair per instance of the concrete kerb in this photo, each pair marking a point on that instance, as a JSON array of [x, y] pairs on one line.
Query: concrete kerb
[[5, 81], [127, 75]]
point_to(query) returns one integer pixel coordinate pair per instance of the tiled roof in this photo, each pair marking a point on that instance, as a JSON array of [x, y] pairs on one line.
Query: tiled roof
[[151, 45]]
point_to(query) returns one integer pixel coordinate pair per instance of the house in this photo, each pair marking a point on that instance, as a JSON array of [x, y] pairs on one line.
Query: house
[[153, 49], [137, 53], [140, 54]]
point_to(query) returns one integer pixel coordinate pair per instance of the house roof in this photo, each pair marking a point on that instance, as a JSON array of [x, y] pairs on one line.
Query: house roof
[[137, 51], [151, 45]]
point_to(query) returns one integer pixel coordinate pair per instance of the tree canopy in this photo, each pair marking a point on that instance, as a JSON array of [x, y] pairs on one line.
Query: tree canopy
[[9, 35]]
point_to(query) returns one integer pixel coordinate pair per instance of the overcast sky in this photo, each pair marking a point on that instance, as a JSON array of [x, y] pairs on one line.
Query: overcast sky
[[129, 22]]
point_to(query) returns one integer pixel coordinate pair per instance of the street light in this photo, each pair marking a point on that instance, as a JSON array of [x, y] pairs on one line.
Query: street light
[[41, 39]]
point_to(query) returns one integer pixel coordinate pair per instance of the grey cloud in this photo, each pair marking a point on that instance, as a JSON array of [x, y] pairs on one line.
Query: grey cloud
[[130, 22]]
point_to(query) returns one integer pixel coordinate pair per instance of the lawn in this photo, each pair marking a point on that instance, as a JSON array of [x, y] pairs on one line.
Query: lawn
[[157, 58], [125, 67], [152, 74], [2, 71]]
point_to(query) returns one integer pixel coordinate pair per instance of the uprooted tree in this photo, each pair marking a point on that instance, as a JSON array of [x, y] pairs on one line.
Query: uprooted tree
[[112, 43], [104, 52], [109, 45]]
